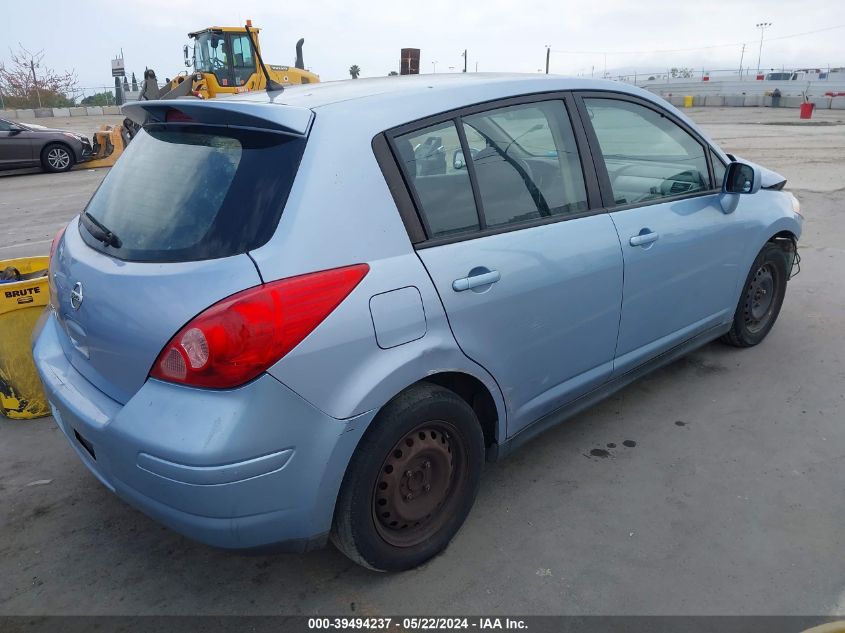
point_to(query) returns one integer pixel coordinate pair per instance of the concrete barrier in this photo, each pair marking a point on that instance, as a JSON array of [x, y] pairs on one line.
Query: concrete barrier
[[753, 101], [94, 110], [111, 110], [677, 101], [821, 103], [41, 113], [78, 111], [8, 114], [734, 101], [714, 100], [791, 102], [697, 101], [61, 112], [837, 103]]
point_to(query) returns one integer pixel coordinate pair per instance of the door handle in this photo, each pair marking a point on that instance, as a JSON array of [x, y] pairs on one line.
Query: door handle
[[644, 238], [474, 281]]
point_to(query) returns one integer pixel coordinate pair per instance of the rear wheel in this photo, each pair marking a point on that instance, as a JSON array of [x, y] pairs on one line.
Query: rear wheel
[[762, 298], [56, 157], [411, 482]]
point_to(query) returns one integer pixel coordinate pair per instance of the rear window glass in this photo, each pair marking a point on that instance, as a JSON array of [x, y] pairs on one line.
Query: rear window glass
[[192, 192]]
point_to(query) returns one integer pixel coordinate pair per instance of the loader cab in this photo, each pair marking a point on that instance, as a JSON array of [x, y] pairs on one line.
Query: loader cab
[[227, 54]]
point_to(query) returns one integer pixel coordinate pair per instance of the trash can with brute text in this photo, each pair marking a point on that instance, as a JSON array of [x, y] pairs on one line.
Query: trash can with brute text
[[24, 291]]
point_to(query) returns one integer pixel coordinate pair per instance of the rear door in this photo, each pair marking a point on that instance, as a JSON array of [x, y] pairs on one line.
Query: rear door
[[164, 237], [528, 269], [681, 251]]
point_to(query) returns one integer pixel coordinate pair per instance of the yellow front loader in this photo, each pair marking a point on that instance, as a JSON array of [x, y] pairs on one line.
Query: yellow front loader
[[226, 60]]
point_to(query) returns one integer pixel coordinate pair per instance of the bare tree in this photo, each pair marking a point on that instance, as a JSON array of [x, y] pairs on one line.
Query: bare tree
[[26, 81]]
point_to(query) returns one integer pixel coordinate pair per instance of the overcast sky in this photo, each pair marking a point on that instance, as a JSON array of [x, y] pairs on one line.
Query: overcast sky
[[499, 35]]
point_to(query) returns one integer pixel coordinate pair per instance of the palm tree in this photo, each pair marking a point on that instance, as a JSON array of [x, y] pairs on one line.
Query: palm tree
[[354, 71]]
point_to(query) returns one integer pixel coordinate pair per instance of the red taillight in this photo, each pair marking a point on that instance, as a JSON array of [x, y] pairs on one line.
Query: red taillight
[[56, 240], [177, 116], [239, 337]]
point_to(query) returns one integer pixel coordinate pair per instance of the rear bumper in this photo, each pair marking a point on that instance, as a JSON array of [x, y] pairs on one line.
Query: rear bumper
[[246, 468]]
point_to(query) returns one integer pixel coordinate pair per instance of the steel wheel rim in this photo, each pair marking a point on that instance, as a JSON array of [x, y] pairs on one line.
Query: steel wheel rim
[[760, 297], [58, 158], [415, 489]]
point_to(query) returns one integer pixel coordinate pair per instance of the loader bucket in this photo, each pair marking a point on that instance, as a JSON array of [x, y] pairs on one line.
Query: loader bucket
[[109, 143]]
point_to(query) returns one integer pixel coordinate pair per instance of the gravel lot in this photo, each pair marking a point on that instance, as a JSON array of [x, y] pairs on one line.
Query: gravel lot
[[731, 501]]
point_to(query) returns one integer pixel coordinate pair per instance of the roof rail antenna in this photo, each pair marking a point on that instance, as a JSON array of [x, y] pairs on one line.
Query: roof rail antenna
[[271, 83]]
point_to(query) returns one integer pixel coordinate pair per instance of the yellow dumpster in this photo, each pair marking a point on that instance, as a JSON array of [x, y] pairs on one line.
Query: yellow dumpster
[[24, 291], [688, 101]]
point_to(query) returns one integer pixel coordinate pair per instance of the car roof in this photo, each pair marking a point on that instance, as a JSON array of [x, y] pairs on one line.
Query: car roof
[[465, 85], [390, 101]]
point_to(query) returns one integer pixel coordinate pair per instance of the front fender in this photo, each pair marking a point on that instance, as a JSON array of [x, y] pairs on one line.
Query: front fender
[[766, 214]]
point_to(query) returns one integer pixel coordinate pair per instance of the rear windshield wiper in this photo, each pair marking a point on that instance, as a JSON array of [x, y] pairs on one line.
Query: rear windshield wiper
[[100, 231]]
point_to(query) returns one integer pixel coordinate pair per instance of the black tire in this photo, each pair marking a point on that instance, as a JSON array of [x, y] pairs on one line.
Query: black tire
[[387, 520], [57, 157], [761, 299]]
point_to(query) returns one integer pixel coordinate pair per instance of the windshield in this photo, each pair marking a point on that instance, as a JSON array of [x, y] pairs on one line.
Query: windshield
[[210, 52], [192, 192]]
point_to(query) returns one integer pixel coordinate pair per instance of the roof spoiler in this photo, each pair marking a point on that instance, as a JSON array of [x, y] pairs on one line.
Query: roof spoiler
[[275, 117]]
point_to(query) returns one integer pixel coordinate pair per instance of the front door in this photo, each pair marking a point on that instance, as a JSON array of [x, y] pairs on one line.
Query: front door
[[15, 146], [530, 277], [681, 251]]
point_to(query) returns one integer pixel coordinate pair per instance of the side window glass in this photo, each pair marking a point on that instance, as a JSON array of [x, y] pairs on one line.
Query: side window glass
[[432, 161], [719, 169], [647, 156], [526, 162]]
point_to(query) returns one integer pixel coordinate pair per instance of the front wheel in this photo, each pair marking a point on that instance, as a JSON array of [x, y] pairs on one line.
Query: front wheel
[[411, 482], [762, 298], [56, 158]]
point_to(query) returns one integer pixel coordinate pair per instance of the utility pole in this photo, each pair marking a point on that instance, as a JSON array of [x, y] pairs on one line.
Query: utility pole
[[741, 58], [35, 81], [434, 66], [548, 52], [762, 26], [465, 60]]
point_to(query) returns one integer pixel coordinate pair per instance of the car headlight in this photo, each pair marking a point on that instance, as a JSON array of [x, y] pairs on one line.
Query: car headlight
[[796, 204], [74, 136]]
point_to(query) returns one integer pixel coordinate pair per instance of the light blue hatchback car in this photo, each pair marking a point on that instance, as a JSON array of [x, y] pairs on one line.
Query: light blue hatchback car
[[306, 315]]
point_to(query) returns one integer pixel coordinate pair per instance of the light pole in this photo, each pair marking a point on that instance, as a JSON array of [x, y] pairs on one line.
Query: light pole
[[762, 26], [741, 58], [434, 66], [548, 52], [35, 81]]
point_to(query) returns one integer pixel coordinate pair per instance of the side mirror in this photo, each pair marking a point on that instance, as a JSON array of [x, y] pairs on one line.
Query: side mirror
[[740, 179], [185, 53], [458, 160]]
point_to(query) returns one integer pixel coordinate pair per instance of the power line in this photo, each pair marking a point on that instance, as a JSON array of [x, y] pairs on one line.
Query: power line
[[696, 48]]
